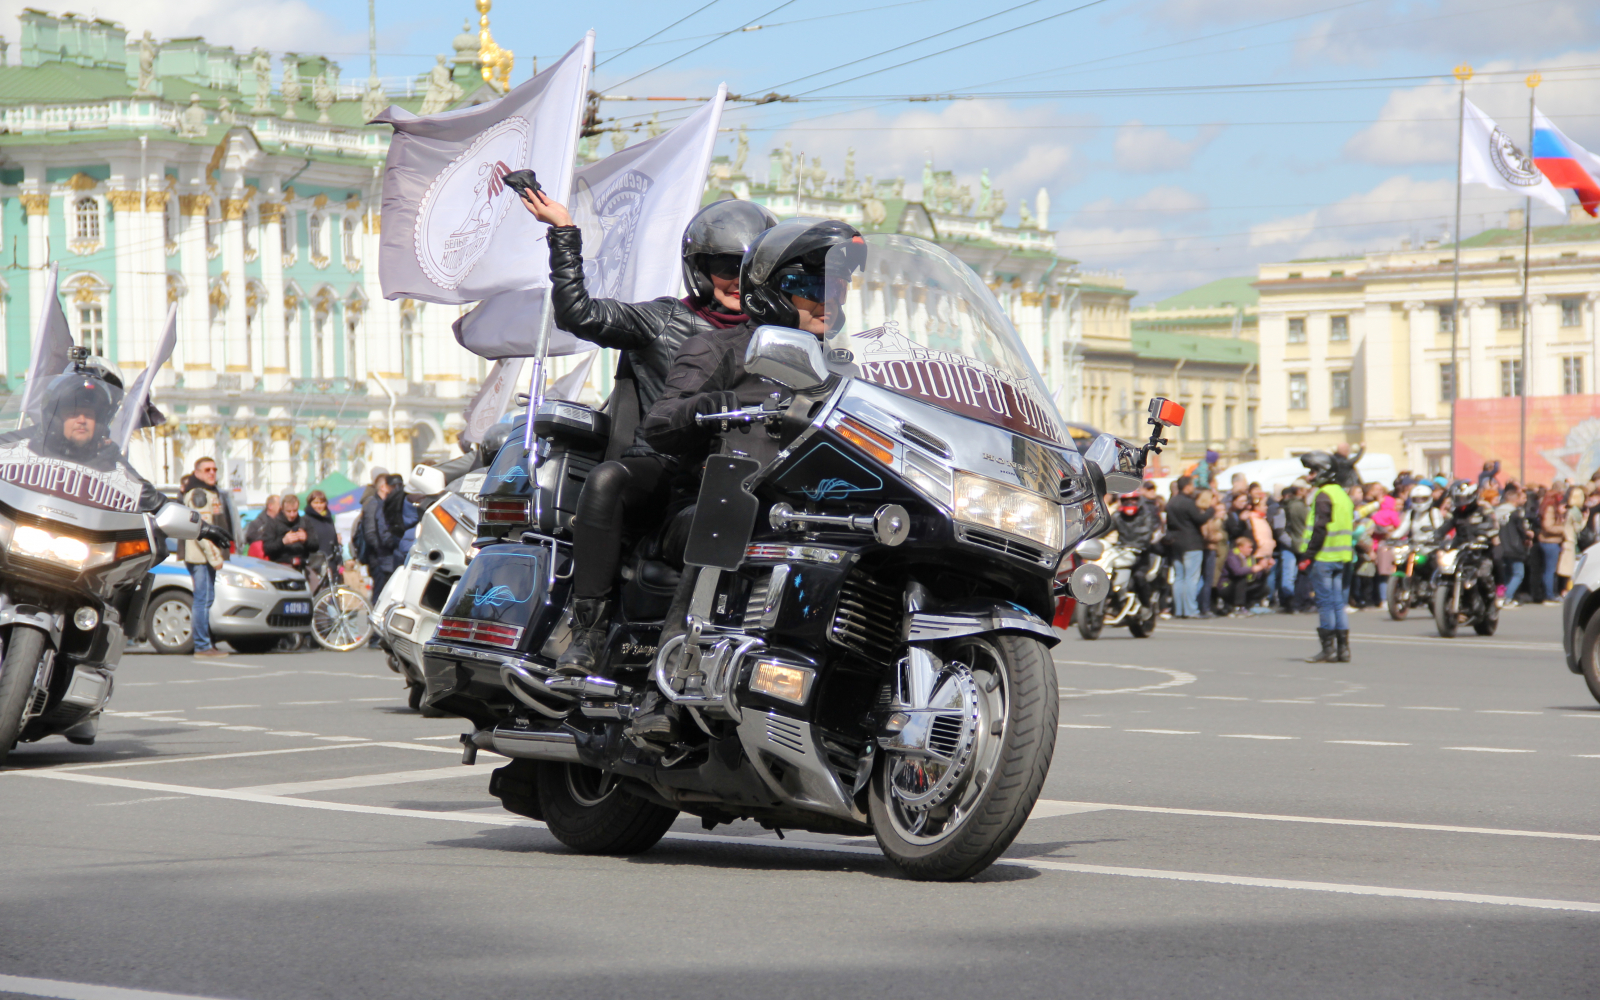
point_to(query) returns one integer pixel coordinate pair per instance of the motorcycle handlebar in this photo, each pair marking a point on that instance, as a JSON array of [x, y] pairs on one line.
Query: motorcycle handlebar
[[740, 417]]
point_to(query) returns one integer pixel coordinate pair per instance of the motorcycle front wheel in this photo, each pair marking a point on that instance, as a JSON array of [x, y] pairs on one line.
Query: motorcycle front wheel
[[943, 820], [1490, 619], [1399, 598], [24, 648], [1090, 619], [1443, 617]]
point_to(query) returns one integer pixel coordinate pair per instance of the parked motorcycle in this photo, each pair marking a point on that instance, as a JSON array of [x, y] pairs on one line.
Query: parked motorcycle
[[1464, 590], [405, 614], [1122, 606], [857, 641], [79, 533], [1410, 586]]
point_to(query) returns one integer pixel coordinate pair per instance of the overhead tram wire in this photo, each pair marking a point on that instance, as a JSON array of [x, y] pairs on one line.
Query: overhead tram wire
[[764, 27], [663, 31], [713, 41]]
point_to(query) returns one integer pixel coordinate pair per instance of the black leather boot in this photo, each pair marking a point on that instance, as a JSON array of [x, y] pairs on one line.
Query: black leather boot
[[591, 622], [1342, 644], [1326, 637]]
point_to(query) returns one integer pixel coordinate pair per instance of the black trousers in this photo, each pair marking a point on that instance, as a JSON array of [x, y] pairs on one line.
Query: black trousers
[[1244, 591], [620, 499]]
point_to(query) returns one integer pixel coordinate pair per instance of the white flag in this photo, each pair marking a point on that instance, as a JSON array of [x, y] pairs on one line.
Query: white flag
[[570, 385], [452, 231], [632, 207], [136, 410], [52, 345], [490, 402], [1489, 157]]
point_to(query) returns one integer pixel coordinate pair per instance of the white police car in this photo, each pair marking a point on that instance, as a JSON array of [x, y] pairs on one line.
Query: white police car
[[257, 604]]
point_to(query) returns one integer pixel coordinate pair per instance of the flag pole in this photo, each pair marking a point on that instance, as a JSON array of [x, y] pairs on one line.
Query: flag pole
[[1463, 73], [1533, 81]]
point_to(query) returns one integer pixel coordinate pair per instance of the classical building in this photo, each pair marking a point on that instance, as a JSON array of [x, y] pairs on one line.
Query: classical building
[[1358, 349], [244, 189], [1201, 347]]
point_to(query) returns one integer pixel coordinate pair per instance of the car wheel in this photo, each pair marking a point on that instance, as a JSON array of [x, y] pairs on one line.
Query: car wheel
[[170, 622]]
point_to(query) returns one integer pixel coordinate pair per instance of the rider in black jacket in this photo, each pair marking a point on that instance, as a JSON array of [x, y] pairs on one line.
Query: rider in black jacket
[[628, 495], [1135, 523]]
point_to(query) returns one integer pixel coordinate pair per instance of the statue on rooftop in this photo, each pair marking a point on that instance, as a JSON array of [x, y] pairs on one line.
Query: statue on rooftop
[[964, 199], [442, 91], [652, 128], [374, 100], [290, 89], [147, 67], [788, 168], [322, 97], [928, 187], [1026, 214], [849, 186], [225, 113], [742, 151], [985, 195], [192, 122], [1043, 203], [997, 203], [261, 64], [619, 140]]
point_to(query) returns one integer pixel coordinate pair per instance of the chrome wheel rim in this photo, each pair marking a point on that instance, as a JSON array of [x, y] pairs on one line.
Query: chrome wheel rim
[[172, 623], [929, 798], [589, 787], [341, 619]]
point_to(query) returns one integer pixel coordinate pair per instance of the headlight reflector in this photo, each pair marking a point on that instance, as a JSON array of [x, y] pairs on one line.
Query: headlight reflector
[[1008, 508], [233, 577], [37, 543]]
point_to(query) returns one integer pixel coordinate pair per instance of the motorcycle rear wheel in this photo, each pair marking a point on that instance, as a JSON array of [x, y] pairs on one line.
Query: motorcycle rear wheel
[[1143, 624], [1443, 618], [1490, 619], [24, 648], [1399, 597], [1009, 759], [1589, 655], [1090, 619], [587, 811]]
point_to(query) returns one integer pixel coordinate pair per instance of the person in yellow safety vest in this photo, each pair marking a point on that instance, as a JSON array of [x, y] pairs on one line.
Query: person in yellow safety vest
[[1329, 547]]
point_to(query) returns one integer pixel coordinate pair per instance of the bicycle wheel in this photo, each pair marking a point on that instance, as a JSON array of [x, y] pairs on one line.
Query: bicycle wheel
[[341, 619]]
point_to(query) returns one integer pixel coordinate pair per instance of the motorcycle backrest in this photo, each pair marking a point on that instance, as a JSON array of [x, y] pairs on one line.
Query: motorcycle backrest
[[791, 358]]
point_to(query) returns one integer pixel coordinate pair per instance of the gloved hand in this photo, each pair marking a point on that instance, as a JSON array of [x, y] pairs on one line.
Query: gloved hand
[[720, 401], [1305, 564], [211, 533]]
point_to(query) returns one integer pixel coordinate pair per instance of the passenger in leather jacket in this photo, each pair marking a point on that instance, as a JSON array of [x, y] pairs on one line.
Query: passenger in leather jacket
[[629, 495]]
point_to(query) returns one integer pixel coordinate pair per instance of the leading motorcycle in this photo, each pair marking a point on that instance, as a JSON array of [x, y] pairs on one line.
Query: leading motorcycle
[[1409, 586], [79, 533], [1464, 589], [856, 637], [1123, 605]]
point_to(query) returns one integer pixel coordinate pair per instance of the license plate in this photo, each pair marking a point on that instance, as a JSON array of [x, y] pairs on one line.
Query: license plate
[[297, 607]]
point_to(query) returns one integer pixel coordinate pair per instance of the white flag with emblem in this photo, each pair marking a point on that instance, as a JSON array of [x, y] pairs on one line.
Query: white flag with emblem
[[632, 207], [486, 407], [136, 412], [452, 231], [1490, 157]]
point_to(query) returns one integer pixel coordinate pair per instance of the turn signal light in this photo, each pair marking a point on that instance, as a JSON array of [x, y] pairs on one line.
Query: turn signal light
[[782, 680], [137, 547], [868, 440], [445, 518]]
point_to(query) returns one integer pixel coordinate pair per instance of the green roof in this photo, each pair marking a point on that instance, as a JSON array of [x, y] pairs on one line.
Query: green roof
[[1194, 347], [1214, 294], [1582, 233]]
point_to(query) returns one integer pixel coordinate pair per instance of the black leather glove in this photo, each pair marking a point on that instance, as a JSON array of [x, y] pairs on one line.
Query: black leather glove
[[211, 533], [720, 401]]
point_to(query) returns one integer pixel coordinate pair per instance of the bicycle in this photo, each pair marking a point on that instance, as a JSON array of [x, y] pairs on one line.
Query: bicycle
[[341, 619]]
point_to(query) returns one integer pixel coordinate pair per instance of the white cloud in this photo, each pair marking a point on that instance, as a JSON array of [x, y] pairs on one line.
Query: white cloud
[[1146, 150], [1024, 148], [276, 25]]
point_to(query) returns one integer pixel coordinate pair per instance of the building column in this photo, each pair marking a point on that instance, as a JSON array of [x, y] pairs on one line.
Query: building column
[[36, 202], [199, 360], [1424, 390], [1374, 396], [235, 352], [1478, 324], [1543, 375], [269, 318]]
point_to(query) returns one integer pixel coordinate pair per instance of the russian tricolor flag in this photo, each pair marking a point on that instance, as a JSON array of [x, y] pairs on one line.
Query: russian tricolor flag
[[1567, 164]]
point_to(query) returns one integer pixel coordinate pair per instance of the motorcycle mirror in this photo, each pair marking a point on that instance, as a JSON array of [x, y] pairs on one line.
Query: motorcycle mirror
[[791, 358], [1117, 462], [425, 479]]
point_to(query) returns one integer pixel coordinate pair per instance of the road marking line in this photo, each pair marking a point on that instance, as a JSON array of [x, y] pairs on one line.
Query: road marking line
[[1429, 708], [134, 802], [251, 753], [1166, 732], [1051, 808], [361, 781], [308, 703], [1368, 743], [218, 708], [489, 820], [1287, 701], [385, 698], [1163, 694], [1542, 647], [1252, 736], [1504, 711], [342, 739], [188, 722], [438, 737], [82, 991], [1586, 755], [1490, 749], [1357, 704], [244, 729], [1222, 697], [288, 732], [1176, 678], [1065, 725]]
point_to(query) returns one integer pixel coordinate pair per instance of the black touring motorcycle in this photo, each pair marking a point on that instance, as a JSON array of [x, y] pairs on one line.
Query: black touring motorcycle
[[859, 637]]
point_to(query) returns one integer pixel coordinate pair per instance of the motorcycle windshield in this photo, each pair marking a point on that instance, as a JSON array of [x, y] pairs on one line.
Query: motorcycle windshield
[[59, 439], [920, 322]]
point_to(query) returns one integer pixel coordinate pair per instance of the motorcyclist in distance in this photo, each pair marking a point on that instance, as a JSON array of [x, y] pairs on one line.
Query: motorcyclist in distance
[[1470, 519], [628, 495], [1135, 523]]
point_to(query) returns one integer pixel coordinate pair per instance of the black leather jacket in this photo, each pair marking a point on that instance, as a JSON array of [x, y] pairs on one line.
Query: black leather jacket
[[710, 363], [1137, 531], [650, 333]]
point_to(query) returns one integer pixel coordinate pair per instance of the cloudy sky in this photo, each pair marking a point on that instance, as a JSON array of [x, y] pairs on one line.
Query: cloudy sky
[[1178, 140]]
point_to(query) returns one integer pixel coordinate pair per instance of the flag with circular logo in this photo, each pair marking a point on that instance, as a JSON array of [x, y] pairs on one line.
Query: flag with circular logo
[[453, 232], [1489, 156]]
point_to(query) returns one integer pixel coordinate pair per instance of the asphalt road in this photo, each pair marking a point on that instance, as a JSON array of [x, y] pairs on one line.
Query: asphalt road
[[1222, 820]]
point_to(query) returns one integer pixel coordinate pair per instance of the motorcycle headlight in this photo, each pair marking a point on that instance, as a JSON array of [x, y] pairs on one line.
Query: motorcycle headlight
[[230, 576], [1447, 560], [60, 549], [1008, 508]]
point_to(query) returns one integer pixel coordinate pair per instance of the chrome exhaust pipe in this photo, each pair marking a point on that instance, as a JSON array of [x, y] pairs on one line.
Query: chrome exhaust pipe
[[560, 745]]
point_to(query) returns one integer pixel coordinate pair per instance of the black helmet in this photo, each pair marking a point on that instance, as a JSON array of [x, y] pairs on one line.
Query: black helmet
[[495, 438], [794, 247], [1463, 493], [724, 228], [1320, 467], [87, 388]]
